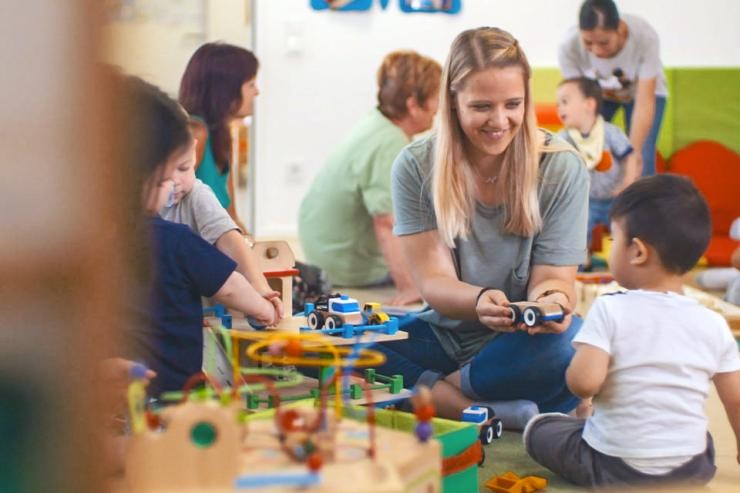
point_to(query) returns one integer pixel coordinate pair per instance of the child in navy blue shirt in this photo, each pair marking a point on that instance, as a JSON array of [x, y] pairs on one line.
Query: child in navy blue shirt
[[185, 266]]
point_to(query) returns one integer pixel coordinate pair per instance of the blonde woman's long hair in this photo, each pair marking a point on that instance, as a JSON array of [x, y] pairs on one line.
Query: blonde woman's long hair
[[453, 177]]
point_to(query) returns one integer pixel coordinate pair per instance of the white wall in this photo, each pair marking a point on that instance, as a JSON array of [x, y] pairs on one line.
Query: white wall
[[317, 70], [157, 37]]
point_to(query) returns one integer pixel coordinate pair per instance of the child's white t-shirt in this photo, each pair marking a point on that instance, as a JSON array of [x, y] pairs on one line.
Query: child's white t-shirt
[[664, 350]]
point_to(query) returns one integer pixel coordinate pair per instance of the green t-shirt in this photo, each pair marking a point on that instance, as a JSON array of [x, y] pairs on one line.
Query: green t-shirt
[[335, 222], [491, 256]]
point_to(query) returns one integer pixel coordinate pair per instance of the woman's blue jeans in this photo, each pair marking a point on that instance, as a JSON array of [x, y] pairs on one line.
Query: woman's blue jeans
[[514, 365], [609, 108]]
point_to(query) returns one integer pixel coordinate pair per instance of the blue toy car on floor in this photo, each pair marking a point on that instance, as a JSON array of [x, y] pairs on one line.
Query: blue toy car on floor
[[490, 427]]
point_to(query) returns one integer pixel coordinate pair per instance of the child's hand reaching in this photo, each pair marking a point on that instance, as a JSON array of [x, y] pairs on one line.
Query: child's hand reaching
[[266, 314], [240, 295], [277, 304]]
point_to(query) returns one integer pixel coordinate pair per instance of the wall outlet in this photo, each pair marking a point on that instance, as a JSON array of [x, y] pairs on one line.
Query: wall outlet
[[295, 173]]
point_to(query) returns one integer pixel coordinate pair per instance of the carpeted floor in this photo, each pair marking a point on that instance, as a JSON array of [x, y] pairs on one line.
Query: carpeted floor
[[507, 454]]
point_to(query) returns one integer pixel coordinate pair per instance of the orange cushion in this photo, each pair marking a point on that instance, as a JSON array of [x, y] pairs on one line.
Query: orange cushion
[[715, 169], [720, 250], [597, 237], [547, 116], [661, 166]]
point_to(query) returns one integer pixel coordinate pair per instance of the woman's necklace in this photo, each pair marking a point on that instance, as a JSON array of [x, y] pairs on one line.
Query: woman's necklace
[[489, 180]]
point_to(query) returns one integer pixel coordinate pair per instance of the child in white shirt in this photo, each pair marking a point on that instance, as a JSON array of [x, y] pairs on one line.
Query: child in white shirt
[[646, 356]]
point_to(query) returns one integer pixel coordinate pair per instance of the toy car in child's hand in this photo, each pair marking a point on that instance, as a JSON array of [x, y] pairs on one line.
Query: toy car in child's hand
[[532, 313]]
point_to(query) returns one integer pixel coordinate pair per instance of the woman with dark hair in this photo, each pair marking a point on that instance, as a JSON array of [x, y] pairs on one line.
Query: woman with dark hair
[[623, 54], [345, 225], [217, 89]]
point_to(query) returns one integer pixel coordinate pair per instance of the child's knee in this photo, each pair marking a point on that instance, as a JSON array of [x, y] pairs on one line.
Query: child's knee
[[534, 432], [551, 431]]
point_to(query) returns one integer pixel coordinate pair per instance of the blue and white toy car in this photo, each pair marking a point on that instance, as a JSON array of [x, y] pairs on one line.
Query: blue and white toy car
[[340, 314], [532, 313], [490, 426]]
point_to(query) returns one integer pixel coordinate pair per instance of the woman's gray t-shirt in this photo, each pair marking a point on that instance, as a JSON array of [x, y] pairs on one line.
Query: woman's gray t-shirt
[[490, 256]]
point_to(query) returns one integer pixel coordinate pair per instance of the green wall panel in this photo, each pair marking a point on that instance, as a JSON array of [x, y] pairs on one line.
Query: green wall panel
[[544, 84], [707, 106]]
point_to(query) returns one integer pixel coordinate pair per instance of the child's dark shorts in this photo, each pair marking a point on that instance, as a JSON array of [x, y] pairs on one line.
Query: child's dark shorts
[[556, 441]]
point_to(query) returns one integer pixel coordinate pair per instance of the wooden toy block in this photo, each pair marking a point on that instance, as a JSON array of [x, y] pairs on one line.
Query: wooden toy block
[[512, 483]]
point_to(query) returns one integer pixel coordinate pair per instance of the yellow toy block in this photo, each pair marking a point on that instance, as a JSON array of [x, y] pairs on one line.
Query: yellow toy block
[[509, 482]]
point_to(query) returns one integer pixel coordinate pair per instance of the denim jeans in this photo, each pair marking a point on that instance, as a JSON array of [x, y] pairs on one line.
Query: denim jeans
[[598, 213], [512, 366], [609, 108]]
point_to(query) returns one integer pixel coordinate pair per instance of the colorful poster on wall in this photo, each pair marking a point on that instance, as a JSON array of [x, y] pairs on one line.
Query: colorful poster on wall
[[341, 5], [431, 6]]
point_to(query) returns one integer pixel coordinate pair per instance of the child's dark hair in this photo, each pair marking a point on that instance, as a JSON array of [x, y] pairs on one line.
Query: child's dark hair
[[590, 88], [667, 212], [156, 125], [152, 126], [211, 88], [598, 14]]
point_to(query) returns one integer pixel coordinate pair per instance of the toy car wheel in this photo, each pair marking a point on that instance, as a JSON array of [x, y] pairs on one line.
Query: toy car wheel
[[498, 428], [531, 316], [486, 434], [315, 320], [516, 314], [332, 322]]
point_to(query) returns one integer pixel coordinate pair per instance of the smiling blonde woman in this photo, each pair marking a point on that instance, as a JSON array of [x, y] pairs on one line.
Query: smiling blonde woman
[[489, 210]]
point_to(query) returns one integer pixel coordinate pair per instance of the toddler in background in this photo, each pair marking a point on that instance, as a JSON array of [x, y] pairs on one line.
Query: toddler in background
[[612, 164], [195, 205], [647, 356]]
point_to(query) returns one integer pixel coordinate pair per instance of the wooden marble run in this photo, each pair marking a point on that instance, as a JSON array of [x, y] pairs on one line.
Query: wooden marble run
[[277, 262], [211, 444], [278, 349], [351, 390]]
